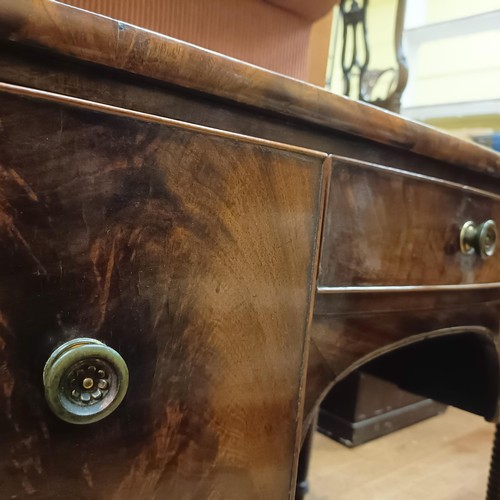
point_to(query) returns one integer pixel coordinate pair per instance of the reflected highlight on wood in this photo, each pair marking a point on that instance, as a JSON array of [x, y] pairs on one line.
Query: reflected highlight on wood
[[418, 219], [104, 41], [243, 240], [192, 255]]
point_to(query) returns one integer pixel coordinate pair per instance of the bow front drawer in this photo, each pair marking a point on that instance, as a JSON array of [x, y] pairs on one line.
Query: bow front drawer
[[386, 227]]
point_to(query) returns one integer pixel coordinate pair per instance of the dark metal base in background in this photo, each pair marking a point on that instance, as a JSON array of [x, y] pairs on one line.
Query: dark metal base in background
[[364, 407]]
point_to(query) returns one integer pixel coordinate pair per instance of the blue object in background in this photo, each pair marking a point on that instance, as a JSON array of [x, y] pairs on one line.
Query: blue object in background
[[495, 141], [490, 141]]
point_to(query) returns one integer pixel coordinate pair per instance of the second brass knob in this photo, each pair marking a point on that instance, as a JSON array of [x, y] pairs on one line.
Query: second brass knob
[[478, 238]]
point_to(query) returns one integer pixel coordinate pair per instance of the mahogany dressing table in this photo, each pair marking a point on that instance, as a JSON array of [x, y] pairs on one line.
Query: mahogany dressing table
[[194, 250]]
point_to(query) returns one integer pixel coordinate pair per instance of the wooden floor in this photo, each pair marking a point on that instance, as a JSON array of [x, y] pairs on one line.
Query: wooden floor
[[443, 458]]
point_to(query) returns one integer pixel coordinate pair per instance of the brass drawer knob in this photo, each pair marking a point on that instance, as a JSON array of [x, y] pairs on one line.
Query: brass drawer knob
[[84, 380], [479, 238]]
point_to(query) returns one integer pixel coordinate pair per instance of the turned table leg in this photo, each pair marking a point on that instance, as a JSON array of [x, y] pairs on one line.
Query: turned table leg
[[493, 492], [304, 459]]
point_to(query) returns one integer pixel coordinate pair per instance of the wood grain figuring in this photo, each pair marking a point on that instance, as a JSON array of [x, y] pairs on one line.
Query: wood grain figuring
[[190, 253], [344, 342], [389, 228], [252, 31], [29, 67], [140, 205], [346, 334], [65, 30], [148, 117]]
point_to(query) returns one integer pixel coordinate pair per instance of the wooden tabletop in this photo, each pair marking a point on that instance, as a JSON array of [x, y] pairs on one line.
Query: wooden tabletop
[[101, 40]]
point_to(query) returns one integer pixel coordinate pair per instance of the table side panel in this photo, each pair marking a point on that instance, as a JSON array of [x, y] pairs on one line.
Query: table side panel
[[190, 253]]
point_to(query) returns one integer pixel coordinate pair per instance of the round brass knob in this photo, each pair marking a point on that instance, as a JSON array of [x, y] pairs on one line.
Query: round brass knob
[[479, 238], [84, 380]]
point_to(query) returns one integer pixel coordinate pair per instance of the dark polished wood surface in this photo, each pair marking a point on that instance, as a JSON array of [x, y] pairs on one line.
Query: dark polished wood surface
[[175, 204], [107, 42], [407, 237], [189, 252], [37, 68]]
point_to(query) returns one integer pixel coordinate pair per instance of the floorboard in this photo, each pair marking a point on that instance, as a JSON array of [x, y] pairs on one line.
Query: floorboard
[[443, 458]]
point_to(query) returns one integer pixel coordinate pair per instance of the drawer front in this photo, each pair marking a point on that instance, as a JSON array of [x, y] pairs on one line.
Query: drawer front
[[385, 227], [189, 252]]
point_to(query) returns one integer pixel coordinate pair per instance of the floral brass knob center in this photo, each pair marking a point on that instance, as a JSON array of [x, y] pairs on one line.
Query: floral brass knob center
[[89, 382], [85, 381]]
